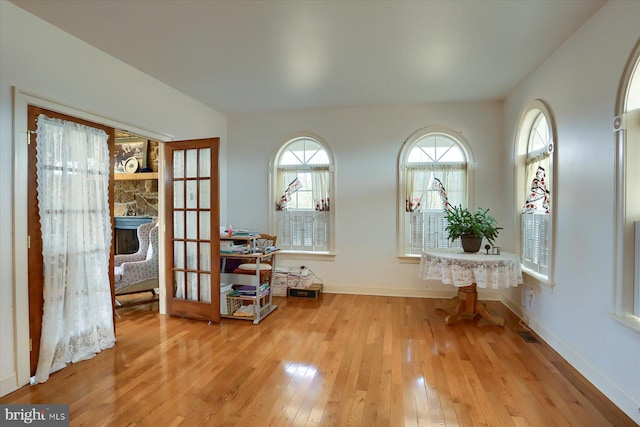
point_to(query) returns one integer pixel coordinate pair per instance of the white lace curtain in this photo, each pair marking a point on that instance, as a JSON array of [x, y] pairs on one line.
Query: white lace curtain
[[73, 180], [285, 179], [320, 189], [317, 178], [538, 199], [423, 195]]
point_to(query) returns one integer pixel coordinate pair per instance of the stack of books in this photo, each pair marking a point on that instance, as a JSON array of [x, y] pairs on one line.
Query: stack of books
[[250, 291], [241, 232]]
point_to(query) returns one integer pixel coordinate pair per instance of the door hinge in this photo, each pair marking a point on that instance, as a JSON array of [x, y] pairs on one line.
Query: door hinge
[[28, 242], [30, 344]]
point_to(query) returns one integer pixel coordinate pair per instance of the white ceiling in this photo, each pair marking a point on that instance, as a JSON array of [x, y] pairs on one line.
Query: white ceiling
[[245, 56]]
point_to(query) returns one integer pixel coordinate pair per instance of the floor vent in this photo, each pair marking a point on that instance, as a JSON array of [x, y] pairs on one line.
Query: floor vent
[[528, 336]]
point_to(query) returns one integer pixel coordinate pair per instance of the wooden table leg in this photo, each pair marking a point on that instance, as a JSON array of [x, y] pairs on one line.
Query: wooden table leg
[[449, 306], [467, 306], [456, 315], [494, 320]]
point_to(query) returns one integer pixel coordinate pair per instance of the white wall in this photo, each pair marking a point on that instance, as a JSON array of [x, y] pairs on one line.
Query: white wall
[[366, 143], [579, 83], [39, 58]]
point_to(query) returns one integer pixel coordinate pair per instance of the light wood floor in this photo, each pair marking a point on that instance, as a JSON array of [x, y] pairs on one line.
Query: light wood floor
[[339, 361]]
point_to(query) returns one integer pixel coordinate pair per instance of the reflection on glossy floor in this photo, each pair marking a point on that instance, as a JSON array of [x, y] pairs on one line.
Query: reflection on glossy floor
[[338, 361]]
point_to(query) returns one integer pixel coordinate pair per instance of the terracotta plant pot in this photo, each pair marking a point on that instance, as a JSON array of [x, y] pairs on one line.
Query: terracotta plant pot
[[470, 243]]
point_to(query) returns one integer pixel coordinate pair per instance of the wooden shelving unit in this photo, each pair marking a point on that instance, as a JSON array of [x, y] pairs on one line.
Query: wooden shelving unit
[[262, 306], [135, 176], [262, 303]]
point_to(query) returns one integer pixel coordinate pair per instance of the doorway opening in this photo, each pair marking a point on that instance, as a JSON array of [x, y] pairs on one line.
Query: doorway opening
[[135, 209]]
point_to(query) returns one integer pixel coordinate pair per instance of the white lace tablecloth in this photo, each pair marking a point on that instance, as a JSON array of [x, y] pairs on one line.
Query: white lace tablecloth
[[455, 267]]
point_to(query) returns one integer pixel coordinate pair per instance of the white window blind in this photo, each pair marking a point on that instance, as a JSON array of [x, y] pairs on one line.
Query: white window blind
[[303, 230], [536, 242], [427, 230]]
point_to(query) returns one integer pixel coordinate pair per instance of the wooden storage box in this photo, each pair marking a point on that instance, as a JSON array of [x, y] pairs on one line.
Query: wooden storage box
[[312, 292]]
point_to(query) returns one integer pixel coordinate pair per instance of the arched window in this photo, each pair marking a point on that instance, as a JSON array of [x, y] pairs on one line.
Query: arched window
[[303, 192], [434, 165], [535, 147], [627, 247]]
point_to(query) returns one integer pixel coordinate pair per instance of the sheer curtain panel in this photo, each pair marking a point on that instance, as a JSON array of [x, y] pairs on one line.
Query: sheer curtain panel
[[423, 184], [73, 179], [320, 189]]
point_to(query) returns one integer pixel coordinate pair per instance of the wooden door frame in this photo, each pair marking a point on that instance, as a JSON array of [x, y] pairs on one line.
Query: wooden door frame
[[21, 99]]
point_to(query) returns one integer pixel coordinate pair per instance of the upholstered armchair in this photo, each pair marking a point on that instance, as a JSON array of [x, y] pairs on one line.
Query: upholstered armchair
[[139, 272]]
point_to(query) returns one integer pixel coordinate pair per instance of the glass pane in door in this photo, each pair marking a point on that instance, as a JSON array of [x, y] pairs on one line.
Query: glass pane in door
[[204, 169], [178, 164], [205, 190], [192, 199], [192, 164]]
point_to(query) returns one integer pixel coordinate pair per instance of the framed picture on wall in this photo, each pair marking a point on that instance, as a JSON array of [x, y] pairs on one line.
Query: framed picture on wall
[[125, 149]]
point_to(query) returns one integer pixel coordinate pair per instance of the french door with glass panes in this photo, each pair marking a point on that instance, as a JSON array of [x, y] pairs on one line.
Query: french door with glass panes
[[192, 229]]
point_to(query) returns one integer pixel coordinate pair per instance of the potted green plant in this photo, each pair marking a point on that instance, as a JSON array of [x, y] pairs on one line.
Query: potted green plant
[[471, 227]]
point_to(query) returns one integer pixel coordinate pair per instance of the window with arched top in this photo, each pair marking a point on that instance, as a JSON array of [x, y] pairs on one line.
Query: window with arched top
[[433, 170], [535, 147], [303, 192], [626, 304]]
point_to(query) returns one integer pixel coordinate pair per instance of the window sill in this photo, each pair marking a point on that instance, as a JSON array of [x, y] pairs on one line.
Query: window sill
[[409, 259], [538, 279], [628, 322], [322, 256]]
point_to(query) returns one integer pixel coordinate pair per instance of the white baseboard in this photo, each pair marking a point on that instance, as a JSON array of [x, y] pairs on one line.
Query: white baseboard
[[483, 294], [390, 292], [8, 384]]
